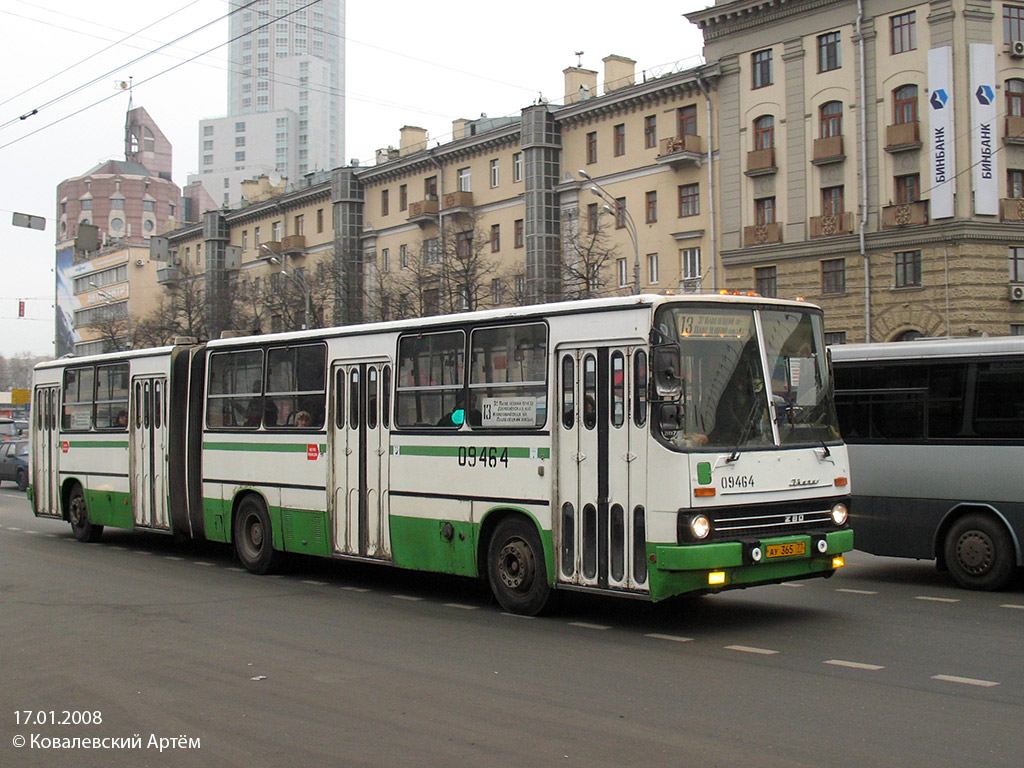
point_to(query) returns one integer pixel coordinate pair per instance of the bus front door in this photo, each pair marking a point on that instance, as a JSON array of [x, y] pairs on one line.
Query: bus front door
[[601, 454], [148, 440], [359, 459], [46, 453]]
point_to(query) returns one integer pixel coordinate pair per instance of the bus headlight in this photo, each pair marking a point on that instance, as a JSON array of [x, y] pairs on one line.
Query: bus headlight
[[839, 514], [700, 527]]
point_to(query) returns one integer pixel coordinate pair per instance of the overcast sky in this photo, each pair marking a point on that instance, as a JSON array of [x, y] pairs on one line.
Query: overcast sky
[[407, 63]]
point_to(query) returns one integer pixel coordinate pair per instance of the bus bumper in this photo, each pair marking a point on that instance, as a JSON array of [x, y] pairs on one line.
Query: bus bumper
[[713, 567]]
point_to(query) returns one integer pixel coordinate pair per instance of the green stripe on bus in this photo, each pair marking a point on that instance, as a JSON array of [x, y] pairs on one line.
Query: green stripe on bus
[[97, 443], [261, 447], [453, 450]]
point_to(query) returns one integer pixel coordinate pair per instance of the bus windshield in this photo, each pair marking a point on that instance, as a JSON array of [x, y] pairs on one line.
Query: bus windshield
[[726, 397]]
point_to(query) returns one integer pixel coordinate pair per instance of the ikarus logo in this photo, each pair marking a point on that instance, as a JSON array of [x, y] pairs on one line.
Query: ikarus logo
[[985, 94], [939, 98]]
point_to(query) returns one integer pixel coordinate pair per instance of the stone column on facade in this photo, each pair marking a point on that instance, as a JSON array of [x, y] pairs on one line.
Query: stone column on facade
[[347, 205], [541, 144], [796, 177]]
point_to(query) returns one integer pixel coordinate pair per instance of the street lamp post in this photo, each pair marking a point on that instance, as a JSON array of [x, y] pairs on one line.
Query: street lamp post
[[274, 258], [612, 206]]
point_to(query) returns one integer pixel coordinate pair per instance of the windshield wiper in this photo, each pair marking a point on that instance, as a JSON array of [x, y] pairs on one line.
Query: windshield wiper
[[749, 423]]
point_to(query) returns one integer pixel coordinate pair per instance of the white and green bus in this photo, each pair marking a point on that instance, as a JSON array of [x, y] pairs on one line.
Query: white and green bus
[[646, 446]]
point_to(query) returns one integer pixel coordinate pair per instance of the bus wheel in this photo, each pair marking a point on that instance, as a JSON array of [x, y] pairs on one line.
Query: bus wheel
[[254, 541], [979, 553], [515, 567], [78, 516]]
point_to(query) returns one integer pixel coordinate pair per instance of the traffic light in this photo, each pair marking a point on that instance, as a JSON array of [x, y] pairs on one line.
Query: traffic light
[[21, 308]]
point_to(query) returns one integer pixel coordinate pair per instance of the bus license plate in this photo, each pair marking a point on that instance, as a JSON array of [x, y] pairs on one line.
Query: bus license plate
[[785, 550]]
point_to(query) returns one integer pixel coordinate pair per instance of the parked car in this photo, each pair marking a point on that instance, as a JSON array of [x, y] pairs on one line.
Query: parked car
[[8, 428], [14, 462]]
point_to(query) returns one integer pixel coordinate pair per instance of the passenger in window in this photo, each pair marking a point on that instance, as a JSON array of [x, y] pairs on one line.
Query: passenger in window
[[122, 419], [303, 419], [457, 416], [254, 412]]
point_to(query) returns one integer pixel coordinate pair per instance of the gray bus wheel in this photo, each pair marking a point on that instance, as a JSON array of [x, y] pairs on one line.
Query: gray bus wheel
[[78, 516], [253, 537], [979, 553], [515, 567]]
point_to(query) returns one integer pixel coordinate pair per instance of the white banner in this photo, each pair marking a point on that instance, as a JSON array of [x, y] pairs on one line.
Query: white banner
[[984, 172], [942, 139]]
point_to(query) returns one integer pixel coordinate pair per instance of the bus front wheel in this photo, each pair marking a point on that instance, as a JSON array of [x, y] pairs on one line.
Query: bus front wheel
[[515, 567], [979, 553], [78, 516], [252, 535]]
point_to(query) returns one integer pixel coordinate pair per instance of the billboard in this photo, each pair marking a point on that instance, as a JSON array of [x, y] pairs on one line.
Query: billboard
[[942, 133], [984, 173]]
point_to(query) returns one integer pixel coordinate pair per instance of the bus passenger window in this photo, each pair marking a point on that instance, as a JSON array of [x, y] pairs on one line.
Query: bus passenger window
[[371, 398], [568, 391], [640, 388], [339, 395], [385, 391], [590, 392], [618, 372]]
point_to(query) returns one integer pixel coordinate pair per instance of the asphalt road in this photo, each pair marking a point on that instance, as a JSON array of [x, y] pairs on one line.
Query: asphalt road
[[339, 664]]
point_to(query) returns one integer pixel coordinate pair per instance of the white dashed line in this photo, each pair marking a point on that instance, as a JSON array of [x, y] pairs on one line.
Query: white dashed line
[[461, 606], [52, 536], [31, 533], [858, 591], [791, 584], [1011, 605], [937, 599], [749, 649], [673, 638], [517, 615], [203, 564], [965, 681], [236, 569], [410, 598], [355, 589], [315, 583], [173, 557], [587, 625], [12, 528], [854, 665], [142, 552]]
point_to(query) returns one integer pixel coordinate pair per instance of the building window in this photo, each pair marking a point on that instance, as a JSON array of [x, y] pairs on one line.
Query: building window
[[1015, 183], [620, 212], [651, 207], [403, 197], [239, 157], [1015, 97], [619, 143], [761, 62], [623, 273], [650, 131], [652, 268], [833, 276], [465, 180], [255, 237], [764, 132], [689, 200], [245, 239], [300, 225], [903, 32], [495, 173], [239, 127], [385, 260], [385, 202], [430, 188], [764, 210], [517, 166], [207, 159], [592, 214], [687, 120], [835, 337], [831, 119], [517, 233], [496, 291], [908, 189], [828, 52], [1013, 23], [319, 220], [239, 141], [765, 282], [403, 256], [908, 269], [208, 145], [904, 104], [689, 263], [1017, 265], [207, 130], [591, 147], [495, 238], [832, 201]]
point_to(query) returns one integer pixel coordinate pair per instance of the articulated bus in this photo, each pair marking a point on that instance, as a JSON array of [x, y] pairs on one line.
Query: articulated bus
[[646, 446], [935, 429]]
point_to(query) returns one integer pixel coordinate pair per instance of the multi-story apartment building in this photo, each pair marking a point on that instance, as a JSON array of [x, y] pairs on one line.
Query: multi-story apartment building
[[286, 108], [872, 160]]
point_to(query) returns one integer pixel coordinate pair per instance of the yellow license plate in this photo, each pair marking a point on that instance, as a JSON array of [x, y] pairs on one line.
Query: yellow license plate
[[785, 550]]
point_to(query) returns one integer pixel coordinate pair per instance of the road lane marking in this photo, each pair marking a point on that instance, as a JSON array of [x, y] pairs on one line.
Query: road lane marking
[[315, 583], [203, 563], [854, 665], [938, 599], [965, 680], [858, 591], [12, 528], [588, 625], [173, 557], [355, 589], [1011, 605], [750, 649], [410, 598], [142, 552], [31, 533], [790, 584], [517, 615], [234, 568], [462, 606], [673, 638]]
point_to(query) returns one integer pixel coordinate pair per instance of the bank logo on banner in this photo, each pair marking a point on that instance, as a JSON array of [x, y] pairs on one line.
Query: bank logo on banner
[[984, 174], [941, 138]]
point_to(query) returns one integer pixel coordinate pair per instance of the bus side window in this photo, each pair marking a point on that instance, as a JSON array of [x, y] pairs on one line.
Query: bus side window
[[353, 399], [618, 389], [339, 394], [640, 388], [371, 397], [589, 391], [568, 391], [385, 391]]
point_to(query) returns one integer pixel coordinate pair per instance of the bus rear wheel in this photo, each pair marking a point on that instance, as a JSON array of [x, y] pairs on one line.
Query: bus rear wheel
[[979, 553], [78, 516], [516, 569], [252, 534]]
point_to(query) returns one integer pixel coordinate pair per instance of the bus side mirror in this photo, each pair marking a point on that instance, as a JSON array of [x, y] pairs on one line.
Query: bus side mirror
[[670, 418], [667, 376]]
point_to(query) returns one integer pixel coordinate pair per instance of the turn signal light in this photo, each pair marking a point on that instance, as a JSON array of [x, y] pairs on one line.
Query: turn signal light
[[703, 491], [841, 482], [716, 578], [838, 562]]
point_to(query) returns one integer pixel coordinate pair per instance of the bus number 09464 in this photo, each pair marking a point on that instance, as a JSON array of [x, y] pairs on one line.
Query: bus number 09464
[[487, 458]]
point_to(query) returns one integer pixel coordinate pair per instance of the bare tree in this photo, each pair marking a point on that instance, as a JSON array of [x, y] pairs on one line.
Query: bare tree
[[180, 311], [469, 263], [587, 254], [111, 324]]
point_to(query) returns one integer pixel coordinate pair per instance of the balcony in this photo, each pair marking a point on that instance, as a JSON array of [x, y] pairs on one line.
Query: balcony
[[832, 224], [271, 248], [1014, 133], [680, 151], [1011, 209], [762, 234], [168, 275], [902, 137], [828, 150], [905, 214], [458, 202], [293, 245], [423, 212], [761, 162]]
